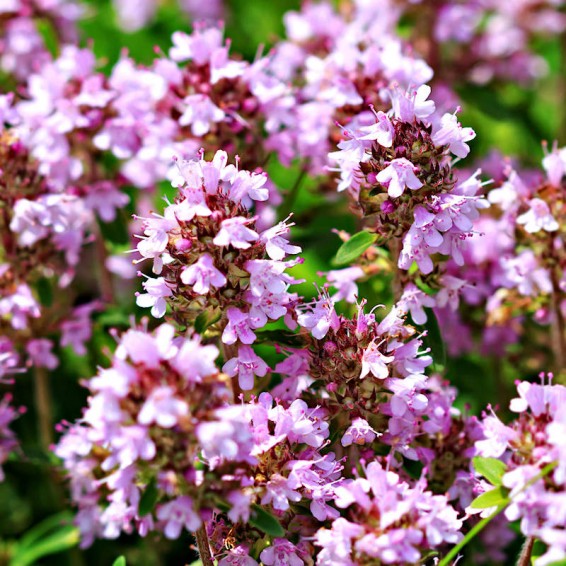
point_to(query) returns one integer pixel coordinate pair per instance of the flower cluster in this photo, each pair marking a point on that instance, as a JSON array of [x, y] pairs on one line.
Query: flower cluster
[[390, 521], [534, 450]]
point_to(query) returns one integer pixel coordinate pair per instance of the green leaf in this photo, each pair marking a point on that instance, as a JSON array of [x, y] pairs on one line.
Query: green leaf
[[494, 498], [205, 319], [148, 499], [48, 537], [45, 291], [490, 468], [265, 522], [354, 247], [120, 561]]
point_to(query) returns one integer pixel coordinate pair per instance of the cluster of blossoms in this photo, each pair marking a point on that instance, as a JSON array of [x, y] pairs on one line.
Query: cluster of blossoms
[[42, 234], [515, 265], [390, 521], [399, 170], [481, 40], [533, 449], [22, 47], [160, 424]]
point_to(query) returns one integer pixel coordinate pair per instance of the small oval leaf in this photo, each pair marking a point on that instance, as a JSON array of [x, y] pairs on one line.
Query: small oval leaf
[[491, 469], [148, 499], [354, 247], [265, 522], [120, 561], [493, 498]]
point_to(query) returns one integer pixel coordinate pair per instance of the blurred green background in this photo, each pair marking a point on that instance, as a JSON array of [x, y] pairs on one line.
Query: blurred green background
[[505, 116]]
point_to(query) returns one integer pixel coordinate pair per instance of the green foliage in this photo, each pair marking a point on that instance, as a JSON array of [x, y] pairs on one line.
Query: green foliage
[[490, 468], [53, 535], [492, 498], [265, 522], [354, 247]]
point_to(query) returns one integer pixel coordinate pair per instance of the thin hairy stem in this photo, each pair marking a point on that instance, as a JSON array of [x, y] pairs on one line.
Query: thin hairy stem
[[43, 407], [204, 547]]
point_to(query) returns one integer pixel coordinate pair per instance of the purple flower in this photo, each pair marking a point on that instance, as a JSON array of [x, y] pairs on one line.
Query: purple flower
[[359, 432], [538, 217], [246, 365], [399, 175], [451, 133], [177, 514], [233, 232], [203, 275], [162, 408], [239, 327], [157, 290], [374, 362]]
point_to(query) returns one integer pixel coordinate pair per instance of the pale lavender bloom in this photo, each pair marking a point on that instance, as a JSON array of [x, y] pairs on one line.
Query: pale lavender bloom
[[198, 46], [177, 514], [320, 318], [246, 365], [375, 362], [278, 493], [203, 275], [382, 131], [19, 307], [40, 353], [451, 133], [281, 553], [200, 113], [234, 232], [195, 361], [555, 165], [239, 556], [412, 104], [359, 432], [157, 290], [497, 438], [399, 175], [276, 246], [414, 300], [162, 408], [239, 327], [344, 280], [538, 217]]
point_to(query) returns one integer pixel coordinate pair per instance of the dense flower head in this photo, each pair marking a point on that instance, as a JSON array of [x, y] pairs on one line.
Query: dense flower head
[[532, 442], [159, 417], [388, 520]]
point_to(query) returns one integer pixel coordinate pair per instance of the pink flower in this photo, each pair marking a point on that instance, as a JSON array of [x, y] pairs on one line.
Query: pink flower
[[200, 113], [238, 328], [177, 514], [538, 217], [452, 134], [157, 291], [399, 175], [382, 131], [359, 432], [246, 365], [39, 351], [202, 275], [375, 362], [233, 232], [162, 408]]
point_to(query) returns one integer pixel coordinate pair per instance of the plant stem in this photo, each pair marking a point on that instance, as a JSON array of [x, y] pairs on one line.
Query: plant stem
[[525, 557], [446, 561], [287, 206], [204, 546], [43, 407]]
